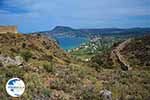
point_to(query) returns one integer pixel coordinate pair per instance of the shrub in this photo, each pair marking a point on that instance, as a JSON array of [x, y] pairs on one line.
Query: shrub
[[59, 84], [49, 67], [17, 35], [46, 92], [96, 66], [12, 71], [26, 55], [89, 93], [23, 45]]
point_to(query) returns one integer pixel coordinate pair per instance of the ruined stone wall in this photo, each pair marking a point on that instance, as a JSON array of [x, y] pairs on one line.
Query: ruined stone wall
[[8, 29]]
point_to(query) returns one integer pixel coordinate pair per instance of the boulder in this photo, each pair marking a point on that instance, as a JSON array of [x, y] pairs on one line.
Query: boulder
[[18, 60]]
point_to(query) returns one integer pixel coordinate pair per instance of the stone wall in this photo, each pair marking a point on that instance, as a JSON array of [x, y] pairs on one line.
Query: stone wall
[[8, 29]]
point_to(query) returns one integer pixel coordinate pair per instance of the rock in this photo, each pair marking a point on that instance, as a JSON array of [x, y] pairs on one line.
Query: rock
[[18, 60], [106, 95], [6, 61]]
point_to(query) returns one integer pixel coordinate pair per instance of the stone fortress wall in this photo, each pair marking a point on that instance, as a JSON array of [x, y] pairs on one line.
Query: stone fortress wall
[[8, 29]]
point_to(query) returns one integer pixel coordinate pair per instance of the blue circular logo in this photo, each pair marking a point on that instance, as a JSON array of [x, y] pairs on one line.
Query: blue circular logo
[[15, 87]]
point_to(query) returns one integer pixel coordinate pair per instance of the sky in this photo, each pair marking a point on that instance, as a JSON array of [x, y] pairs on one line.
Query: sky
[[43, 15]]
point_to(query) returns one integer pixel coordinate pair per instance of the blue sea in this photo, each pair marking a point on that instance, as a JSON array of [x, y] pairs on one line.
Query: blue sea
[[70, 42]]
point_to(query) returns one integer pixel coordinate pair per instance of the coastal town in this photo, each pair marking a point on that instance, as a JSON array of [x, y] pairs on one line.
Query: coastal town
[[96, 45]]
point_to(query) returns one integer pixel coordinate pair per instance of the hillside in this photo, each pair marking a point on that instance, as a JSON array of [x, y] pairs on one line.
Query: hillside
[[137, 52], [130, 60], [40, 47], [133, 52], [48, 72]]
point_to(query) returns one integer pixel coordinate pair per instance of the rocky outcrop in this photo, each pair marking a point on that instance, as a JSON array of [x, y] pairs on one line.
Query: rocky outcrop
[[6, 61]]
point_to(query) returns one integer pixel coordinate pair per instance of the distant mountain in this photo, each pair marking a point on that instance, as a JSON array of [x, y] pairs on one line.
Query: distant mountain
[[68, 31], [59, 31], [62, 29]]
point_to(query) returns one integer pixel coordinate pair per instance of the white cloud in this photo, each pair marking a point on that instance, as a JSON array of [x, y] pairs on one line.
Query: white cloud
[[94, 9]]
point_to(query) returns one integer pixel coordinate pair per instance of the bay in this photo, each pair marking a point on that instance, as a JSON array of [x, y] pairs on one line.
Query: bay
[[70, 42]]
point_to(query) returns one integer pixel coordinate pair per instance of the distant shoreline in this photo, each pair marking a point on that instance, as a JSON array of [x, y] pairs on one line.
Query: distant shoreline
[[68, 43]]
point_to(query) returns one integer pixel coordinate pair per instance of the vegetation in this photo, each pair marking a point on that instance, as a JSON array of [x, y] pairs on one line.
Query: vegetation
[[26, 55], [51, 73], [49, 67], [98, 45]]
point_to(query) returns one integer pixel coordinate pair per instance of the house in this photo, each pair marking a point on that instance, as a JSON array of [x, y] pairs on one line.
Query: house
[[8, 29]]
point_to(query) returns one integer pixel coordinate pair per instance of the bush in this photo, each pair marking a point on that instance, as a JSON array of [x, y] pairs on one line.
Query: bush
[[89, 93], [11, 71], [46, 92], [23, 45], [49, 67], [96, 66], [26, 55], [59, 84]]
